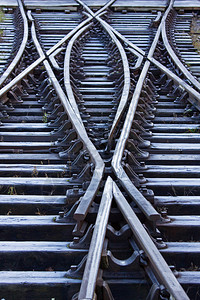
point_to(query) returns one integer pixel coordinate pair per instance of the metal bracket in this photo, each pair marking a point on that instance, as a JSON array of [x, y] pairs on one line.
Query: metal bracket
[[130, 264], [138, 152], [138, 179], [160, 244], [65, 217], [84, 242], [76, 271]]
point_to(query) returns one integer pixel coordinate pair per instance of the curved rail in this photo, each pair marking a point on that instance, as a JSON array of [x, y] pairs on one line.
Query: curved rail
[[52, 58], [34, 36], [92, 189], [68, 36], [127, 81], [51, 51], [174, 57], [67, 80], [21, 48], [126, 87], [99, 11], [134, 49], [157, 262], [137, 51], [160, 266], [194, 95], [141, 201]]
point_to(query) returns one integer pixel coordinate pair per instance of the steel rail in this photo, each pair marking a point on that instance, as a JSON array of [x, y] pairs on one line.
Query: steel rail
[[67, 80], [194, 95], [86, 7], [52, 58], [21, 48], [160, 267], [174, 57], [134, 49], [192, 92], [145, 206], [139, 51], [87, 199], [68, 36], [34, 36], [90, 17], [99, 11], [106, 201], [127, 82], [126, 88], [139, 60], [19, 77], [89, 279], [25, 72], [109, 3], [86, 204], [92, 189], [117, 167]]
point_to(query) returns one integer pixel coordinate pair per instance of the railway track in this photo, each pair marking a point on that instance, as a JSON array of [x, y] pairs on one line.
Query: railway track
[[53, 27], [99, 157], [7, 37], [184, 39]]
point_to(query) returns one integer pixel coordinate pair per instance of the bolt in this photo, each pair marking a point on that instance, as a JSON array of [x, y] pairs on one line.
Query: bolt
[[143, 186], [172, 268], [76, 239], [73, 268], [86, 157], [61, 214], [142, 164], [75, 189], [159, 239], [164, 213]]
